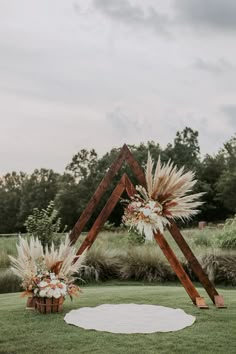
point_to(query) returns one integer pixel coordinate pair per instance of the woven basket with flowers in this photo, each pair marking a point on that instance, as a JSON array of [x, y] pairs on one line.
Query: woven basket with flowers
[[47, 276]]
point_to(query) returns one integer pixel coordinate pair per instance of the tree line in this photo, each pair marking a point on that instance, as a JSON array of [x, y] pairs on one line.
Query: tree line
[[20, 192]]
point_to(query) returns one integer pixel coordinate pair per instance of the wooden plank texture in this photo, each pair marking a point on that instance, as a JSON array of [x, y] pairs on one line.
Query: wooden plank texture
[[170, 255], [129, 187], [176, 266], [192, 260], [93, 202], [135, 166], [125, 184], [103, 216]]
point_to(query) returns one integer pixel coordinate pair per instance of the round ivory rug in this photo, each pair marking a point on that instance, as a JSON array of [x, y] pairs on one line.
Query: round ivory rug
[[130, 318]]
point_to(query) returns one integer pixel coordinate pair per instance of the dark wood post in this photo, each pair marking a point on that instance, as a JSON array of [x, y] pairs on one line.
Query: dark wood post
[[177, 267], [88, 211], [193, 263], [125, 184], [135, 166], [103, 216]]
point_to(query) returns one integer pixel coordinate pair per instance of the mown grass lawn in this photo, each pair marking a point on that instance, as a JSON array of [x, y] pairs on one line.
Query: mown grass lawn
[[24, 331]]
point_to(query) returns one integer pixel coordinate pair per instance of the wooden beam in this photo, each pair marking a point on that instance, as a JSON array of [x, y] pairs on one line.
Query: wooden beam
[[130, 189], [171, 257], [103, 216], [88, 211], [125, 184], [135, 166], [177, 267], [192, 260]]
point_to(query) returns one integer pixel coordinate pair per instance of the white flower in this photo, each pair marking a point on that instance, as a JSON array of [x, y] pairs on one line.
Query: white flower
[[43, 293], [42, 284], [146, 211], [52, 276], [64, 285], [151, 204], [148, 231], [63, 292], [56, 293], [55, 282], [50, 293]]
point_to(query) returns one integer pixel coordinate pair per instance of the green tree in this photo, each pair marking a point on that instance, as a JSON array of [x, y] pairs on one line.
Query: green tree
[[83, 164], [10, 196], [229, 151], [38, 190], [186, 150], [208, 174], [226, 191], [225, 186], [69, 200]]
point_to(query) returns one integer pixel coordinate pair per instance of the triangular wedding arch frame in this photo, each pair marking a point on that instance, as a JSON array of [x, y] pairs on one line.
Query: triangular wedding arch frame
[[126, 185]]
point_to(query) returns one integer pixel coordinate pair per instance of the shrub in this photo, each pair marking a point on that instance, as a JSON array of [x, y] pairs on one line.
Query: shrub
[[44, 224], [202, 240], [108, 226], [9, 282], [135, 238], [101, 264], [146, 264], [4, 260], [227, 238], [220, 268]]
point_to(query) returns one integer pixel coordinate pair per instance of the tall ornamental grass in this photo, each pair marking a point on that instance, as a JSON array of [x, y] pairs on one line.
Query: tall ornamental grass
[[145, 264]]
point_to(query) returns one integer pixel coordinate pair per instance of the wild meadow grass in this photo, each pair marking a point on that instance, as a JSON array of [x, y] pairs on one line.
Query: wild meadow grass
[[113, 257], [24, 331], [206, 238], [9, 282]]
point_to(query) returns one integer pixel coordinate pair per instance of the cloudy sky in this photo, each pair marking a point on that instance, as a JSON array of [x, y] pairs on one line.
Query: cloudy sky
[[97, 73]]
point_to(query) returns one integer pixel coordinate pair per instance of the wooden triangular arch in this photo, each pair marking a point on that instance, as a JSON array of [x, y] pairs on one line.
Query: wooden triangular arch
[[126, 185]]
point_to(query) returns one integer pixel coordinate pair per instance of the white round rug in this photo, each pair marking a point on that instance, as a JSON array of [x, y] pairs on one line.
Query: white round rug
[[130, 318]]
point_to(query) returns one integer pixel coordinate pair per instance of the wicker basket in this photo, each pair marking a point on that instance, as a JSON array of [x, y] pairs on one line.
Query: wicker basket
[[31, 303], [49, 305]]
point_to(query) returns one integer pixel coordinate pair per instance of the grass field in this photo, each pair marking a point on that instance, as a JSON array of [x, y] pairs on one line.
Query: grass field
[[25, 331], [113, 257], [199, 240]]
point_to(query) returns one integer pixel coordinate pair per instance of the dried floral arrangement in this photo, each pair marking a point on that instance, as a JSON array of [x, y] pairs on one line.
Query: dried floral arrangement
[[47, 273], [167, 196]]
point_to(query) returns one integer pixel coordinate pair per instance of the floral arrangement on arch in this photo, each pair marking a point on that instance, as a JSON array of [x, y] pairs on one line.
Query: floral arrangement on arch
[[47, 274], [166, 197]]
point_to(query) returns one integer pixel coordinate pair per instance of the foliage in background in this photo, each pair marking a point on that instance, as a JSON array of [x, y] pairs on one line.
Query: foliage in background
[[108, 226], [135, 238], [37, 191], [44, 224], [20, 193], [186, 150], [9, 282], [227, 238], [10, 196], [209, 173], [101, 264], [221, 268], [146, 264]]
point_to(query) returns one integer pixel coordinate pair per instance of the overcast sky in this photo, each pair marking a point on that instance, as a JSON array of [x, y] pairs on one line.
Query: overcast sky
[[95, 74]]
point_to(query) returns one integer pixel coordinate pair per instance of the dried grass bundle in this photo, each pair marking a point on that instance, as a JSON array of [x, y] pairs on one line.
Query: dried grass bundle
[[54, 266], [167, 197]]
